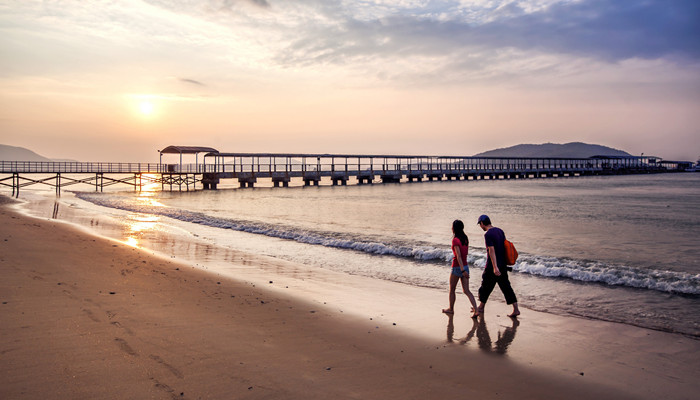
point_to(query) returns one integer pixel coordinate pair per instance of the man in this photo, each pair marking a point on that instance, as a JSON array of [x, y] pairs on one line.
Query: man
[[496, 271]]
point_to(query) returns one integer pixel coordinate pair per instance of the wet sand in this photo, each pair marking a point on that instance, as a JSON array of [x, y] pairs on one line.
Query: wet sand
[[87, 317]]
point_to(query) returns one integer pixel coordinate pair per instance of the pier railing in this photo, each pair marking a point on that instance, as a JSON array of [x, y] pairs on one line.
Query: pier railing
[[96, 167], [326, 163], [248, 167]]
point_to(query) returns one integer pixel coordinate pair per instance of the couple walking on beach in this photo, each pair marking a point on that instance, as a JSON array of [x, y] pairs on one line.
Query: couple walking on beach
[[495, 271]]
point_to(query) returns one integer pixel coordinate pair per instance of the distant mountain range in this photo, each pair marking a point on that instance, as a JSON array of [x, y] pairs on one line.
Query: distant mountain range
[[12, 153], [554, 150], [572, 150]]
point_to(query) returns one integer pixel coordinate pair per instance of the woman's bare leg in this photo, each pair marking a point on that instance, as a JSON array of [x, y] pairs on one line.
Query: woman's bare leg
[[453, 296], [470, 296]]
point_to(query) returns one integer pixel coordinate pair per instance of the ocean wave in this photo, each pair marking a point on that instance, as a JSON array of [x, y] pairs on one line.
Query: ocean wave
[[320, 238], [552, 267], [614, 275]]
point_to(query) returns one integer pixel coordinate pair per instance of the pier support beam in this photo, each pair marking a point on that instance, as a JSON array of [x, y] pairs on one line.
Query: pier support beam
[[247, 182], [416, 177], [280, 182], [15, 185], [281, 178], [312, 178], [362, 179], [210, 181], [392, 178], [340, 180]]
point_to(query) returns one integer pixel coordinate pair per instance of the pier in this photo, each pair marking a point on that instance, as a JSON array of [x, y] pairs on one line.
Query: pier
[[58, 175], [211, 168], [339, 169]]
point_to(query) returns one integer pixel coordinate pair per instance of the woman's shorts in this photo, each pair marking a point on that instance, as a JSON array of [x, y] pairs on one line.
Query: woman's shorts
[[456, 271]]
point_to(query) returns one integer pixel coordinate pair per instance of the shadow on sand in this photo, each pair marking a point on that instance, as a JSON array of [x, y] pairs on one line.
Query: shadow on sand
[[478, 329]]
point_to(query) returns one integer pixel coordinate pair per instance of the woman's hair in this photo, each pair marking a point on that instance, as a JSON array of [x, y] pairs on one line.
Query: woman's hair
[[458, 229]]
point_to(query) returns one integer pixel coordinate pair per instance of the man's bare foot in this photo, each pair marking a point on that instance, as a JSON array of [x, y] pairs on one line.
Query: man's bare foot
[[448, 311], [514, 314], [475, 313]]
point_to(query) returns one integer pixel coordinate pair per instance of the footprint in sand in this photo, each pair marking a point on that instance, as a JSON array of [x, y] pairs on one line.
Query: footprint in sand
[[170, 368], [120, 326], [69, 294], [124, 346], [91, 315]]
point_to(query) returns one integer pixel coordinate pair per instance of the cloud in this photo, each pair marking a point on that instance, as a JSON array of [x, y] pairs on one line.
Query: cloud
[[607, 30], [231, 4], [391, 40], [261, 3], [611, 30], [192, 81]]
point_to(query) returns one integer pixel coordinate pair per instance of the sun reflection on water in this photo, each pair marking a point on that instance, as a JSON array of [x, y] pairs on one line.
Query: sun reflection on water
[[137, 224], [149, 184]]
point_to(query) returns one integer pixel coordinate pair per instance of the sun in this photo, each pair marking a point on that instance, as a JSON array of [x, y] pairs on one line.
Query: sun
[[146, 107], [143, 106]]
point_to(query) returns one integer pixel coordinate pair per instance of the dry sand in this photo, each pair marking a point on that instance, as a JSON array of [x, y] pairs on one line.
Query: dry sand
[[83, 317]]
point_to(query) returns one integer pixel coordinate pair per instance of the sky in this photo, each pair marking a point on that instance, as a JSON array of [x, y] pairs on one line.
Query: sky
[[118, 80]]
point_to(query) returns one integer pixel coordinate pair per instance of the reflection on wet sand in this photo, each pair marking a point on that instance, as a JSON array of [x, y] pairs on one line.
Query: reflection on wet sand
[[137, 225], [505, 337]]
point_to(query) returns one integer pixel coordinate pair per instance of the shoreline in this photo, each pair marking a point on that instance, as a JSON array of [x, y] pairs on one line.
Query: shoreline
[[79, 308], [562, 277]]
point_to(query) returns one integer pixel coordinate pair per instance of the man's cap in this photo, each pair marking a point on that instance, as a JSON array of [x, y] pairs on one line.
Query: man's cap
[[483, 218]]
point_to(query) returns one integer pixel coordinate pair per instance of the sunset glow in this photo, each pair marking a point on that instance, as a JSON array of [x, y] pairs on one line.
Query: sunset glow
[[146, 108], [371, 77]]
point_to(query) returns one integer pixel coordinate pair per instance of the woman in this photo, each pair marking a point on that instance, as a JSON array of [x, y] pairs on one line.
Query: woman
[[460, 270]]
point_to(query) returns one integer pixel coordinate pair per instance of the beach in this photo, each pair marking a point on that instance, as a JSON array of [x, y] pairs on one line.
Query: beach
[[88, 317], [255, 199]]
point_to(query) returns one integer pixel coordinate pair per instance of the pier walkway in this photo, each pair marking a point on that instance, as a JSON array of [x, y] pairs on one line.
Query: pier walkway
[[311, 169], [247, 168], [19, 174]]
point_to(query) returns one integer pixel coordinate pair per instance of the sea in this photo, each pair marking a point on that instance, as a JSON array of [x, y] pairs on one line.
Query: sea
[[623, 248]]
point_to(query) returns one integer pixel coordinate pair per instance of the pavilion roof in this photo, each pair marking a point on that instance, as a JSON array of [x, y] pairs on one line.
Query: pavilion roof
[[187, 150]]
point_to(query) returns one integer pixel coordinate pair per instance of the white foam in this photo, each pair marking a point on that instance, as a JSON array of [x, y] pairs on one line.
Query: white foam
[[617, 275]]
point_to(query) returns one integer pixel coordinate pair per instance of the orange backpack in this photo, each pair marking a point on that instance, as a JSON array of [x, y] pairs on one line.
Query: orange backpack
[[511, 253]]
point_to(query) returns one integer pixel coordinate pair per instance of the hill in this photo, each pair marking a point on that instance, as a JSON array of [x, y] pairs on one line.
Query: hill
[[572, 150], [12, 153]]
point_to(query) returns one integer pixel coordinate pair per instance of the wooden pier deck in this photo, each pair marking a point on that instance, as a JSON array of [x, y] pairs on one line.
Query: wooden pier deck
[[311, 169]]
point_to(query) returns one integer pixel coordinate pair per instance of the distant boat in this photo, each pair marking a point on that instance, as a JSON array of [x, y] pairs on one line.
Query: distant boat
[[694, 168]]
